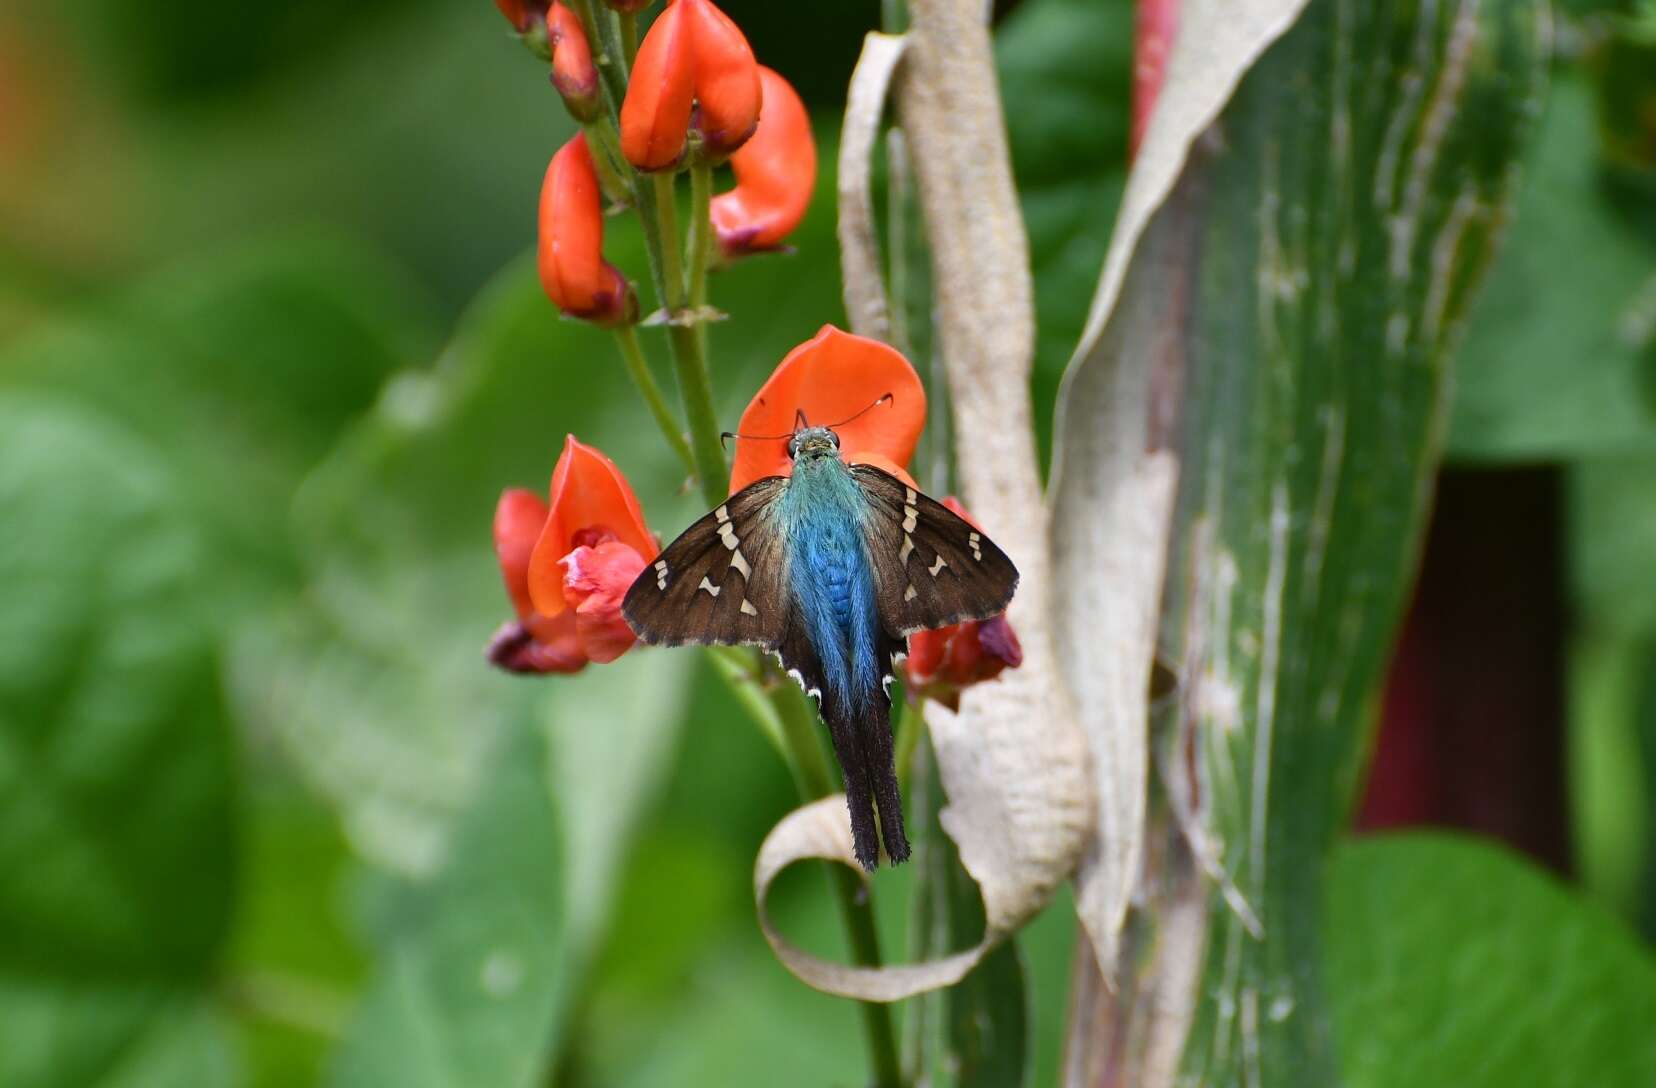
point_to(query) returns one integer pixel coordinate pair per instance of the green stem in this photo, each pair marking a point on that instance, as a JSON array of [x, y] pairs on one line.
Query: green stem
[[614, 172], [672, 263], [911, 723], [644, 381], [746, 681], [689, 358], [701, 233], [629, 36]]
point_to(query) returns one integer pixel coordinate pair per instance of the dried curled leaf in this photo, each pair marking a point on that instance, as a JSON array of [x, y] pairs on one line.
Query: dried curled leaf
[[860, 268]]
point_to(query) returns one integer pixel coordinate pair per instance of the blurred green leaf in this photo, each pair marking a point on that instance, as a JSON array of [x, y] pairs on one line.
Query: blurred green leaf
[[469, 989], [1612, 719], [1559, 358], [240, 370], [115, 781], [1453, 963]]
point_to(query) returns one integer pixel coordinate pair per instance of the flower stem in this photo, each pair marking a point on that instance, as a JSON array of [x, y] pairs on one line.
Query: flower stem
[[689, 358], [629, 36], [644, 381], [701, 233], [911, 724]]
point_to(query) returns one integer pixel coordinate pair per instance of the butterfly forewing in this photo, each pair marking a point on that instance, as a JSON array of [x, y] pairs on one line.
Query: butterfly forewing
[[931, 567], [720, 581]]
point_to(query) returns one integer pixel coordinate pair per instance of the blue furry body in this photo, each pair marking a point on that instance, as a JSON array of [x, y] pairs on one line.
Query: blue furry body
[[829, 575]]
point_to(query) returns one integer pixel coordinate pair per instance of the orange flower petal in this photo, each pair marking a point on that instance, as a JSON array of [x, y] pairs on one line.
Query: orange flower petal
[[520, 13], [727, 78], [588, 492], [830, 378], [519, 517], [775, 174], [573, 72], [571, 254], [655, 114]]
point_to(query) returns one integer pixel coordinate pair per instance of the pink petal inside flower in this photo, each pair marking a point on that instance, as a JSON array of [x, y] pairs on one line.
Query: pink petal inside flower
[[596, 578]]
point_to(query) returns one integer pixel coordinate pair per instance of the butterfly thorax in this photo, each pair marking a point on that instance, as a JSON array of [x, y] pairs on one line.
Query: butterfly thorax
[[829, 575]]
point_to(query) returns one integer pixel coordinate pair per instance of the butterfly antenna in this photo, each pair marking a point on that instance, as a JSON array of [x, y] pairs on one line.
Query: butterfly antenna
[[883, 398], [724, 435]]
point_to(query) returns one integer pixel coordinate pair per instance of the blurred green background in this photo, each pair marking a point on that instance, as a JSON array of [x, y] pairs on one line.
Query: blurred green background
[[270, 347]]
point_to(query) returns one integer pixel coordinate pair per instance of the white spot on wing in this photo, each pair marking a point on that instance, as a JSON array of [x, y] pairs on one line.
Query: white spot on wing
[[712, 590], [728, 536], [739, 561], [748, 609], [911, 518], [722, 515], [937, 566], [906, 550], [910, 593]]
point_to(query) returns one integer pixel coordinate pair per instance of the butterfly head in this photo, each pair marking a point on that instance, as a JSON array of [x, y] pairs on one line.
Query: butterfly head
[[813, 442]]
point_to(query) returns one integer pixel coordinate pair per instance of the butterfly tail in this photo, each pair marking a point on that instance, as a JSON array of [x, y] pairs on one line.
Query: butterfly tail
[[847, 733], [875, 727]]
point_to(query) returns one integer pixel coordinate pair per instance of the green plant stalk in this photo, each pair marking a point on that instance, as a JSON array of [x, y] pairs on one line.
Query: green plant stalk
[[629, 36], [911, 723], [639, 371], [701, 234], [614, 171], [695, 380], [740, 670]]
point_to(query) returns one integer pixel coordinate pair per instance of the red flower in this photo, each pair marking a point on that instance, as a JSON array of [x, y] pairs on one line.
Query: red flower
[[775, 173], [830, 378], [693, 54], [942, 662], [568, 565], [572, 267], [522, 14], [573, 72]]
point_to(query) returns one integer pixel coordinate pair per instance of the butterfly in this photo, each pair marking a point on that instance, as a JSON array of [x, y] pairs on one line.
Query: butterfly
[[830, 569]]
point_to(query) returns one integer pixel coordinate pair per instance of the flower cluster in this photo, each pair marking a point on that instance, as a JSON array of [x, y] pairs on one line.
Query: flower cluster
[[695, 96]]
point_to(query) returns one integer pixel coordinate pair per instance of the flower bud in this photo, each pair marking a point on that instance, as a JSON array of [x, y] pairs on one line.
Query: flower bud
[[573, 72], [571, 257], [775, 174], [522, 14], [693, 56]]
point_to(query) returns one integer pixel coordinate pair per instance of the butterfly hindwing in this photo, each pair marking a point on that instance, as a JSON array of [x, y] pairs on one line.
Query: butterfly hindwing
[[931, 566], [720, 581]]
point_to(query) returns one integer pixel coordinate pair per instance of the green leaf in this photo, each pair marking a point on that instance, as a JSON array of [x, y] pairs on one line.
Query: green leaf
[[1558, 363], [1285, 326], [240, 369], [115, 784], [1453, 963]]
